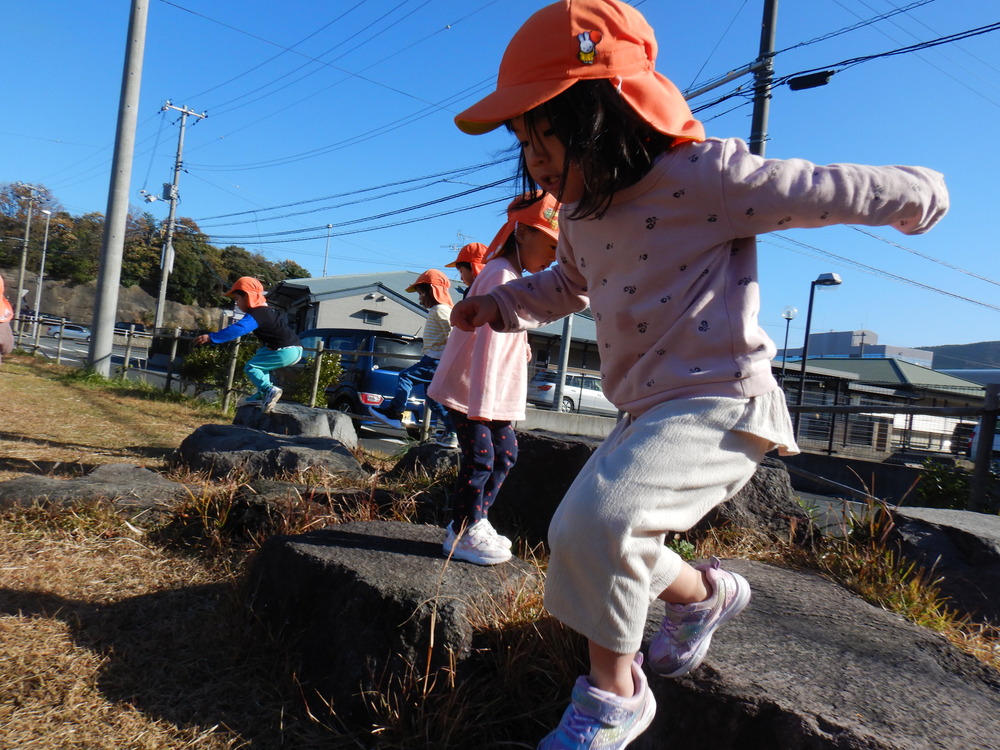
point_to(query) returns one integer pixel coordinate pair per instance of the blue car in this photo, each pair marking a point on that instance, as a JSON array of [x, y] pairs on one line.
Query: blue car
[[371, 362]]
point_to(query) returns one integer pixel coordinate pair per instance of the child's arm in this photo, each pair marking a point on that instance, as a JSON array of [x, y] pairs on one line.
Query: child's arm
[[241, 327], [766, 195], [473, 312]]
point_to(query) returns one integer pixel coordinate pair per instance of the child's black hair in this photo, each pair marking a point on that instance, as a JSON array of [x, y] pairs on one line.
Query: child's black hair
[[613, 147], [461, 264]]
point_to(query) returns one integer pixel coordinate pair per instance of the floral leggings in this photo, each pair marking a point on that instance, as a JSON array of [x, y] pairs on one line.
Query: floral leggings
[[488, 451]]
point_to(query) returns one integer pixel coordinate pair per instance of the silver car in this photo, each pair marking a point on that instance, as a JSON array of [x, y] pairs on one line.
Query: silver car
[[69, 331], [581, 393]]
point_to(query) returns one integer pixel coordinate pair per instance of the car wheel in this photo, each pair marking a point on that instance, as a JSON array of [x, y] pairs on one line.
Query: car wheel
[[567, 405], [88, 339], [56, 335]]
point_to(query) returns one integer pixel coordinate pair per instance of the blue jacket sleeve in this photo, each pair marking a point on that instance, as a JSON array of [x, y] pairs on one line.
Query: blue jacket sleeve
[[241, 327]]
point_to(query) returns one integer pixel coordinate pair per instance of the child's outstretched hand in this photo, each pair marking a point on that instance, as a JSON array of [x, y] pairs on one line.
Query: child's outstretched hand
[[473, 312], [201, 340]]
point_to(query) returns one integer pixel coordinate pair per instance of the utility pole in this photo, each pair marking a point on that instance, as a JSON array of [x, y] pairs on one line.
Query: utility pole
[[167, 256], [109, 272], [763, 76], [24, 261]]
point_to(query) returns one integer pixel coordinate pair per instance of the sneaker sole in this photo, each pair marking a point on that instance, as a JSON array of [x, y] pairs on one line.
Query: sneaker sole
[[267, 406], [470, 557], [394, 423], [741, 600]]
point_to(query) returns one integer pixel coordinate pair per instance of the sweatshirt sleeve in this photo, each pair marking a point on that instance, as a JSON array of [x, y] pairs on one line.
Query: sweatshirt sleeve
[[241, 327], [539, 299], [764, 195]]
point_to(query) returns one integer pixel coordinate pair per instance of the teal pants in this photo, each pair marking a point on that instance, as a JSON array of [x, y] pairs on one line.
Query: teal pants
[[260, 365]]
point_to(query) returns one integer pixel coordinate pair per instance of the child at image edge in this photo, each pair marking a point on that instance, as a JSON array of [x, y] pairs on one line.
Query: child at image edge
[[657, 236], [432, 289], [483, 380], [280, 344]]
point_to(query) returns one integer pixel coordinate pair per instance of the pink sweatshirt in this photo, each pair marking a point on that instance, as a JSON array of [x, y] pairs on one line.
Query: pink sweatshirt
[[484, 374], [672, 287]]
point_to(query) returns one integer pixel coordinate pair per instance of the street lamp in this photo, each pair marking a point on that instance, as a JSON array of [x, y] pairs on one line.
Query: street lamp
[[41, 274], [824, 279], [788, 314], [326, 254]]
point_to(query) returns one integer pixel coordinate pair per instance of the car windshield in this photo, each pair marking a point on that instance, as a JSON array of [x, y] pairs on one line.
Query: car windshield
[[394, 347]]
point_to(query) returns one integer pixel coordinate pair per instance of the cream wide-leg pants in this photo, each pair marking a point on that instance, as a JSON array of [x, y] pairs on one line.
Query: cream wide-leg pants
[[657, 473]]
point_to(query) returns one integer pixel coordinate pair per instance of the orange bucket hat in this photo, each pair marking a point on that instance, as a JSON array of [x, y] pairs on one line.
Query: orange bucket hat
[[474, 254], [575, 40], [253, 289], [543, 215], [439, 284]]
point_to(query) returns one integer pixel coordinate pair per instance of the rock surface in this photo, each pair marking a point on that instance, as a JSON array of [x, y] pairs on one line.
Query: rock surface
[[290, 418], [223, 449], [138, 493], [808, 665], [358, 601], [963, 550]]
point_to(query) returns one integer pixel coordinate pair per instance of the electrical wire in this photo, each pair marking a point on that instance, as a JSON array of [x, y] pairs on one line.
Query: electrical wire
[[864, 268], [925, 256]]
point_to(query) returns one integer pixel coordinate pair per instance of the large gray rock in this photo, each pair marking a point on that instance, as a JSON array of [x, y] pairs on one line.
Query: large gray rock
[[358, 603], [766, 507], [135, 492], [962, 549], [222, 449], [810, 666], [290, 418]]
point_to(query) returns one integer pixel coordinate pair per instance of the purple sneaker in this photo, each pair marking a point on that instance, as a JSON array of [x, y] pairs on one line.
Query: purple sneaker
[[598, 720], [686, 631]]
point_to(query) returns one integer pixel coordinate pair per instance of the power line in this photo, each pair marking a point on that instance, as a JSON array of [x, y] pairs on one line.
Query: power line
[[925, 256], [770, 239]]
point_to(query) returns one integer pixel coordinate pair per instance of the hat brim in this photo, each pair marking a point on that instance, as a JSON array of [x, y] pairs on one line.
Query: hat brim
[[492, 111]]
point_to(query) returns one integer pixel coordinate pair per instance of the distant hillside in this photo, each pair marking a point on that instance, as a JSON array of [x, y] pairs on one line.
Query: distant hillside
[[976, 356]]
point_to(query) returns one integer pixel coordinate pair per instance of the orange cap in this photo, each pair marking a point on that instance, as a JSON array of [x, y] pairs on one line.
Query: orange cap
[[575, 40], [253, 289], [474, 254], [439, 284], [543, 215]]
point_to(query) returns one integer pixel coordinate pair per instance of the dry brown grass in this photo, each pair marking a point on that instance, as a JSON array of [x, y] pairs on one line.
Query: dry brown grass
[[51, 425]]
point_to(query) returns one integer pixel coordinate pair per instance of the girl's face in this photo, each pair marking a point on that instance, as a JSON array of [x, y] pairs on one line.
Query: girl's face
[[536, 249], [426, 298], [545, 156], [466, 273]]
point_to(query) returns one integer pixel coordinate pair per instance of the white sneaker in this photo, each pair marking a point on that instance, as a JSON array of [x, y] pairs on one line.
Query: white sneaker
[[449, 535], [271, 398], [478, 544]]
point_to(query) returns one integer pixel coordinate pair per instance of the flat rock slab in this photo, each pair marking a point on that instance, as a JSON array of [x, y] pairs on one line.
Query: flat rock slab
[[223, 449], [808, 665], [357, 602], [290, 418], [963, 550], [132, 490]]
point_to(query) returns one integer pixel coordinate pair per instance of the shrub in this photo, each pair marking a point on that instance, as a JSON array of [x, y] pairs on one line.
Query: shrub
[[329, 374]]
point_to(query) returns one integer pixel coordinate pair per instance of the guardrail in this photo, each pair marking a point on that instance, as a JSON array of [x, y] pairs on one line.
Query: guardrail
[[823, 430]]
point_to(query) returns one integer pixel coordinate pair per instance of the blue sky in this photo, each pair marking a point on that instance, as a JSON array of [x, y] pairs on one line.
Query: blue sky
[[341, 112]]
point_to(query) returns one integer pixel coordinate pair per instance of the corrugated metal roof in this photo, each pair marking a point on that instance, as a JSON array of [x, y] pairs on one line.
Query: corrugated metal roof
[[897, 372]]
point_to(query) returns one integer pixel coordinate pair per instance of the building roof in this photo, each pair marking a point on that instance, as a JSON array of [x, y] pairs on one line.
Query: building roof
[[897, 373]]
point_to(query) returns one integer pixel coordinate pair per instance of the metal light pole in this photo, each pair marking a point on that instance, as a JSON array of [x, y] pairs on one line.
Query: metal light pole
[[41, 270], [824, 279], [326, 254], [788, 314]]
